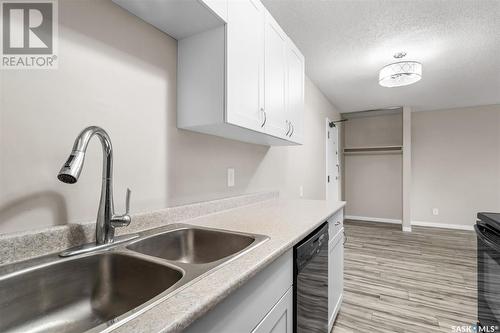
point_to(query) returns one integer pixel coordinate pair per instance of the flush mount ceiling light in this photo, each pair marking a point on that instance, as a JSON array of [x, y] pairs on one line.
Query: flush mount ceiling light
[[401, 73]]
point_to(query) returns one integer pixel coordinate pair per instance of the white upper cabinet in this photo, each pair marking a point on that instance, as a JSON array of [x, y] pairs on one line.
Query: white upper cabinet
[[245, 64], [275, 78], [178, 18], [239, 76], [295, 93]]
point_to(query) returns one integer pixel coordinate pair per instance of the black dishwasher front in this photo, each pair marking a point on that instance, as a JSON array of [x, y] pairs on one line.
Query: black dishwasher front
[[310, 285]]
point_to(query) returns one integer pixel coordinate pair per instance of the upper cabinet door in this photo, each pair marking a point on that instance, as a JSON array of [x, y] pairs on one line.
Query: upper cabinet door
[[275, 78], [245, 64], [295, 92]]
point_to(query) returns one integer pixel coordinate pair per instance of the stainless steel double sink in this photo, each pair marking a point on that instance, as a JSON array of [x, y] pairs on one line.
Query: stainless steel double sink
[[91, 292]]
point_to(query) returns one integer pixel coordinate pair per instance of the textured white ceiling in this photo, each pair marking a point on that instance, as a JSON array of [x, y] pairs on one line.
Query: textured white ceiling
[[347, 42]]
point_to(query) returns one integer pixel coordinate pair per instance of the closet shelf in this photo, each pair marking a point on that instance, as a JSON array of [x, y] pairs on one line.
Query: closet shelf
[[373, 150]]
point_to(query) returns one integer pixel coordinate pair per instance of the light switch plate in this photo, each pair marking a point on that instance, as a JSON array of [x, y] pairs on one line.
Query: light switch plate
[[230, 177]]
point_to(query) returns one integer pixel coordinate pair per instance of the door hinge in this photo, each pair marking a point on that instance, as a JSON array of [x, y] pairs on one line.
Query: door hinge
[[328, 178], [328, 135]]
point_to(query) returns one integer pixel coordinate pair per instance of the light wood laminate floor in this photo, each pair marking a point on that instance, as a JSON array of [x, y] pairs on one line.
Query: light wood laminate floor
[[423, 281]]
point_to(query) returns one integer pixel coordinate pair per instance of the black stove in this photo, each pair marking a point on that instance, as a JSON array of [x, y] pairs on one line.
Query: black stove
[[488, 269]]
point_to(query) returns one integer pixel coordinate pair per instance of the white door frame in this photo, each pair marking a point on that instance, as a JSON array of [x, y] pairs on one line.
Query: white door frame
[[327, 129]]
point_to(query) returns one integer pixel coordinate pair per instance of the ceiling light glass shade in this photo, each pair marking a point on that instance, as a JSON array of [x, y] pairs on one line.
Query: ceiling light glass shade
[[400, 74]]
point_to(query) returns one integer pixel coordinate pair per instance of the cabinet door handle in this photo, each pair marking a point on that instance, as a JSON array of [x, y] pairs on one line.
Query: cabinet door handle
[[337, 223], [345, 239], [293, 129], [288, 126], [265, 118]]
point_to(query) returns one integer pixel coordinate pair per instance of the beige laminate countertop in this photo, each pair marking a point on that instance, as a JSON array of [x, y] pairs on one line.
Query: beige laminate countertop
[[286, 222]]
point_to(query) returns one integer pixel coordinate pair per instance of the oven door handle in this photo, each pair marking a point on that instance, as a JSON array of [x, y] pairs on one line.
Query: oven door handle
[[480, 233]]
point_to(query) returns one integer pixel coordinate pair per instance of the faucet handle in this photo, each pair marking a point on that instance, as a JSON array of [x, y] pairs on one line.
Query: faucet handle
[[123, 220], [127, 201]]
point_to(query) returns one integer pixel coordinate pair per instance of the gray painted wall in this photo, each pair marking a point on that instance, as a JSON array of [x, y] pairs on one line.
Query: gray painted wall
[[288, 168], [455, 164], [118, 72]]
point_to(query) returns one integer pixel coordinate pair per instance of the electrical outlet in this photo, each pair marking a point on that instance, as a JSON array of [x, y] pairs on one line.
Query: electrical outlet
[[230, 177], [301, 191], [435, 211]]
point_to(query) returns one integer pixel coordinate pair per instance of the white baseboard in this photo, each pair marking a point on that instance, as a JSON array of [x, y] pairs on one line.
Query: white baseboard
[[442, 225], [372, 219], [413, 223]]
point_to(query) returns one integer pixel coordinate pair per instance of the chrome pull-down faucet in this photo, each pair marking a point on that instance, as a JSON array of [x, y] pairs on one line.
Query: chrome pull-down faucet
[[106, 221]]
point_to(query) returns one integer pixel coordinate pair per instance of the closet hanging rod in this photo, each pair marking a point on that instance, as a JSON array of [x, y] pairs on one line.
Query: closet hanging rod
[[332, 123], [373, 149]]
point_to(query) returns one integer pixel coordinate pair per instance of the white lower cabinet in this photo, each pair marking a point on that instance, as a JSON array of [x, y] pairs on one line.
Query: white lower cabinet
[[335, 271], [263, 304], [280, 318]]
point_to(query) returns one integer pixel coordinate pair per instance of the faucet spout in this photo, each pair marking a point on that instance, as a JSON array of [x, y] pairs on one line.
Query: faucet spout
[[70, 172]]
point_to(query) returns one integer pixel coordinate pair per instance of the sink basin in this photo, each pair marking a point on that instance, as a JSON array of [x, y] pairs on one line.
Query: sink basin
[[193, 245], [91, 292], [79, 294]]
